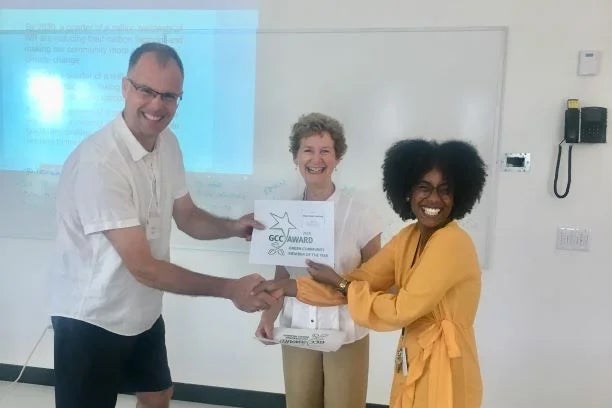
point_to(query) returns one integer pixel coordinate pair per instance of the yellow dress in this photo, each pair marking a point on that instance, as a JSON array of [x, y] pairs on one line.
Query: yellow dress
[[436, 305]]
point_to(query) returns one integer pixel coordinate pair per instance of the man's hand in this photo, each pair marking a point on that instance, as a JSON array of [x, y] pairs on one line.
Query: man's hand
[[243, 226], [243, 295], [323, 273], [277, 288]]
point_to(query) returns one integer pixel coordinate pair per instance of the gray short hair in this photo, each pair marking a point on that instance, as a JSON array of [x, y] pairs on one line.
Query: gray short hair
[[315, 123], [163, 52]]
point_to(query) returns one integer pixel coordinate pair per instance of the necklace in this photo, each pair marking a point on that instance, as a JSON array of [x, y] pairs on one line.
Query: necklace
[[306, 190]]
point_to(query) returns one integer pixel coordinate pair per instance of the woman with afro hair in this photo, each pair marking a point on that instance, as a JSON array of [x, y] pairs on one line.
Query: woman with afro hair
[[432, 263]]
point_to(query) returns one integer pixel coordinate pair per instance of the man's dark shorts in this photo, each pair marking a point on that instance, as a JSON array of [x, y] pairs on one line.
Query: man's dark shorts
[[93, 365]]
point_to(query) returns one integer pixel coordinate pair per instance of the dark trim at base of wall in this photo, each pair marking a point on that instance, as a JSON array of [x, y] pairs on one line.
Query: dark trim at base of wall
[[182, 392]]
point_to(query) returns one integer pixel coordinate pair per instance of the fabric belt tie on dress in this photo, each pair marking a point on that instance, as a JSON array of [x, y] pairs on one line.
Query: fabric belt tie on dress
[[438, 344]]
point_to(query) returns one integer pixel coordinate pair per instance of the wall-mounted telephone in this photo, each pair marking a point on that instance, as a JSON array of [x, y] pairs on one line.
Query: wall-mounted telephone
[[586, 125]]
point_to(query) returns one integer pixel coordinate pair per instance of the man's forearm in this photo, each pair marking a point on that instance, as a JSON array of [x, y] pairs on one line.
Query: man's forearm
[[168, 277], [204, 225]]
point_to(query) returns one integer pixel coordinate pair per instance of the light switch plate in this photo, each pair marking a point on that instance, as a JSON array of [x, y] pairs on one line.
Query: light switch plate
[[573, 238]]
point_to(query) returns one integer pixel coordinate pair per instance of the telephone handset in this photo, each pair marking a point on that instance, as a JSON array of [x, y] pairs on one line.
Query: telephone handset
[[586, 125], [572, 122]]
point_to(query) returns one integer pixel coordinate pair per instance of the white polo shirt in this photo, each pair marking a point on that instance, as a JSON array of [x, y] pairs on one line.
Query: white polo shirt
[[355, 226], [110, 181]]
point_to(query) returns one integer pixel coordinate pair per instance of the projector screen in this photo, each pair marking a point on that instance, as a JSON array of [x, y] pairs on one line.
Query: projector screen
[[61, 73]]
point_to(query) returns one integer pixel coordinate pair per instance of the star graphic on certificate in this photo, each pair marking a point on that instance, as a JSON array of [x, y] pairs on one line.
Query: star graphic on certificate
[[282, 223]]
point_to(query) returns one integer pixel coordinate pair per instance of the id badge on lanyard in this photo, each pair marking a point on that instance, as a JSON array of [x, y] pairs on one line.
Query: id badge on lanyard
[[153, 226], [401, 359], [153, 216]]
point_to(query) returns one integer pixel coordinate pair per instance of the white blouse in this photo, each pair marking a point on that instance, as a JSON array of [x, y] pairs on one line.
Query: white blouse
[[355, 226]]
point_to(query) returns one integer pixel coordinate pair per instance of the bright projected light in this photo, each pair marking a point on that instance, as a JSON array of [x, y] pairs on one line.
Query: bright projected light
[[61, 71], [46, 99]]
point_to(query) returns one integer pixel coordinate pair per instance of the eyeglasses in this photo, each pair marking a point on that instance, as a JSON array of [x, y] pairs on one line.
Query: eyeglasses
[[148, 93], [425, 189]]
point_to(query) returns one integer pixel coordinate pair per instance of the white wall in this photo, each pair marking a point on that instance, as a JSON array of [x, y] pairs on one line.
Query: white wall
[[544, 331]]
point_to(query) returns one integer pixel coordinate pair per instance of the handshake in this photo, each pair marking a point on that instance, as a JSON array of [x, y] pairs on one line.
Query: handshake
[[253, 293]]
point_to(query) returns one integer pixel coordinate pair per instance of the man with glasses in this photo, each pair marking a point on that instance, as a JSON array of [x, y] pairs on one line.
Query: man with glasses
[[118, 193]]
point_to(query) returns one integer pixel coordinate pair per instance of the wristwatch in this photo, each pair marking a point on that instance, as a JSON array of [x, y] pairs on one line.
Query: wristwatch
[[343, 286]]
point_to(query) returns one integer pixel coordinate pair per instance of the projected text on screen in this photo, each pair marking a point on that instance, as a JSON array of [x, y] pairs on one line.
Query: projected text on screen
[[60, 80]]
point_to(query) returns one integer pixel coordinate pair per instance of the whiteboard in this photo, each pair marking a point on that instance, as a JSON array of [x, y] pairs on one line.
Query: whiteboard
[[382, 84]]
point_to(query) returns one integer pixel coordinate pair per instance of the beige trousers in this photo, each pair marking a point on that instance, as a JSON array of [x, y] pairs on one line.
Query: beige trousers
[[339, 379]]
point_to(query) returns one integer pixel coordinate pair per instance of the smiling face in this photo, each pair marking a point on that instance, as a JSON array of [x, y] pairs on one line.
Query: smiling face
[[146, 113], [316, 159], [431, 200]]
